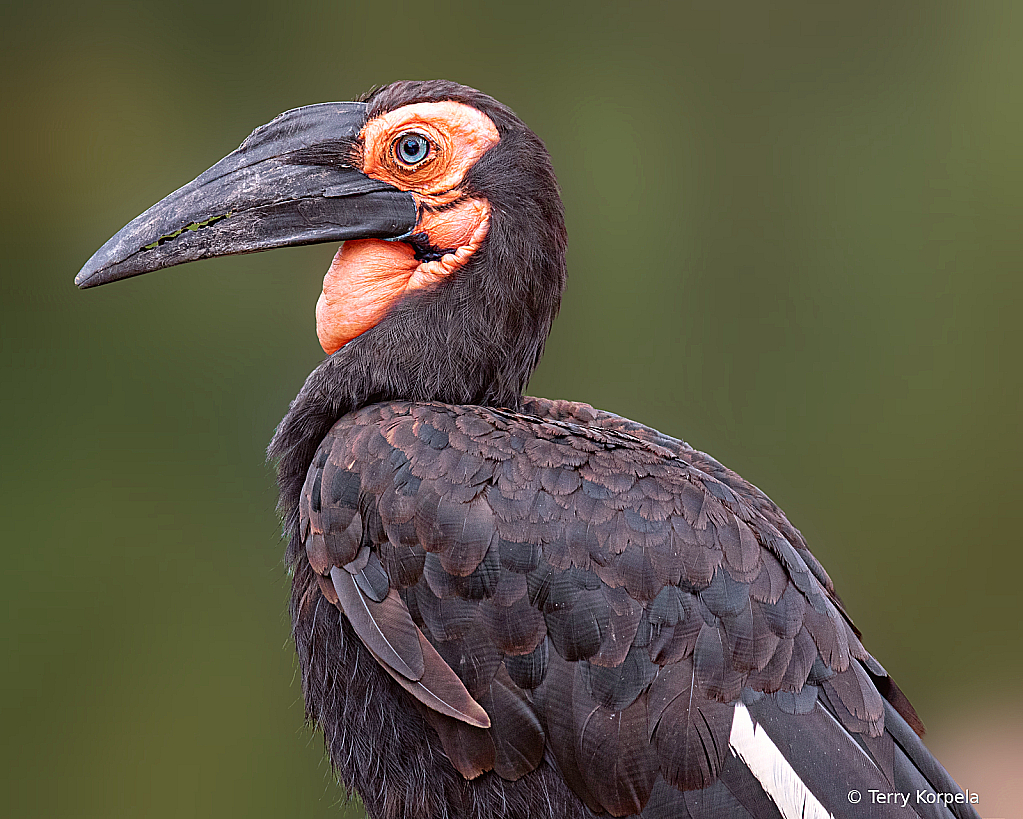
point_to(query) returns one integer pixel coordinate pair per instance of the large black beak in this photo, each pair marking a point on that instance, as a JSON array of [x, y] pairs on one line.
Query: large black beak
[[290, 183]]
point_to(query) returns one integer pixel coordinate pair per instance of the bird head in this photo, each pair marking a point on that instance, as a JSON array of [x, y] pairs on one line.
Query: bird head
[[453, 231]]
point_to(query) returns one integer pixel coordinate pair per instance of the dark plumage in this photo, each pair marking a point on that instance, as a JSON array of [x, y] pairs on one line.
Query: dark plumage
[[507, 606], [599, 588]]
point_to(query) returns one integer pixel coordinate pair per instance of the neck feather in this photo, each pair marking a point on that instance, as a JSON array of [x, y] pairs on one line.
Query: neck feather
[[469, 340]]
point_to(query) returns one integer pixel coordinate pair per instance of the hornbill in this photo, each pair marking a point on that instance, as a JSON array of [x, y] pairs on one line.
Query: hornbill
[[507, 606]]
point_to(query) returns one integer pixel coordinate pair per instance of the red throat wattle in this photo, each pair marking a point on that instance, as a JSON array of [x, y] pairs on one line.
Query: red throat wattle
[[368, 276]]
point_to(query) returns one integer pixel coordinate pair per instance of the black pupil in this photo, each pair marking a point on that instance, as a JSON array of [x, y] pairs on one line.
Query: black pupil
[[413, 148]]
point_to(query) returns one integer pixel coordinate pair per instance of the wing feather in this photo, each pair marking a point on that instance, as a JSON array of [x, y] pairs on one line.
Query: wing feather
[[561, 583]]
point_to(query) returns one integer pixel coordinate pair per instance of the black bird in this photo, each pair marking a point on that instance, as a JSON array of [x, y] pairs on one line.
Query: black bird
[[508, 606]]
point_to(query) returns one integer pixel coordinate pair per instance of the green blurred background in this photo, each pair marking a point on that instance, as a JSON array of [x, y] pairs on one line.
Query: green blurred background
[[795, 242]]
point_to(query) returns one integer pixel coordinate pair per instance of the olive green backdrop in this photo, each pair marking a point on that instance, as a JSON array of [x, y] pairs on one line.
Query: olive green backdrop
[[795, 242]]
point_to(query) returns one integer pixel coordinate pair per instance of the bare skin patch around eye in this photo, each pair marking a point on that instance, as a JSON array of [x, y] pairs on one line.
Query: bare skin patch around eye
[[458, 134], [368, 276]]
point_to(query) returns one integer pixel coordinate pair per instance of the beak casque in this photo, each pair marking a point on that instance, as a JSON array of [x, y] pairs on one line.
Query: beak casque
[[290, 183]]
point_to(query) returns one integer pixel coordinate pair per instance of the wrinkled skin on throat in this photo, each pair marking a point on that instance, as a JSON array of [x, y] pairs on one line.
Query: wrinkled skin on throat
[[369, 276]]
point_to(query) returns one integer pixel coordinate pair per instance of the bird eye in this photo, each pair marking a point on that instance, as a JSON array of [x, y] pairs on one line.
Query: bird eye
[[411, 148]]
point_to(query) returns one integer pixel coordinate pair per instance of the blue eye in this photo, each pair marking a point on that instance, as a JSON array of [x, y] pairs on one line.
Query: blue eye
[[411, 148]]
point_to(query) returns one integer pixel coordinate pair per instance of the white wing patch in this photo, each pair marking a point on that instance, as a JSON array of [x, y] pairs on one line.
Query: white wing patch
[[754, 747]]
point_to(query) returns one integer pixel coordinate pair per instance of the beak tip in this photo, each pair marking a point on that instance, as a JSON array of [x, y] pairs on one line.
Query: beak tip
[[104, 266], [88, 276]]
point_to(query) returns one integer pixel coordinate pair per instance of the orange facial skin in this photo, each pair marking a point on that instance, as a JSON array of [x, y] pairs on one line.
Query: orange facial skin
[[460, 135], [368, 276]]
